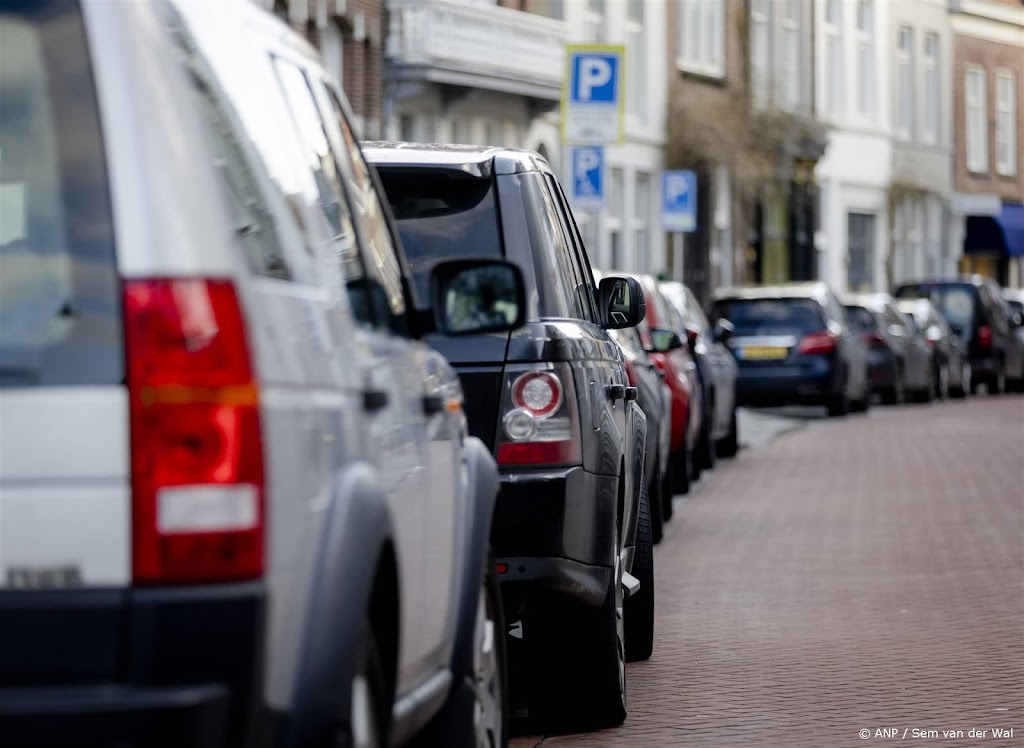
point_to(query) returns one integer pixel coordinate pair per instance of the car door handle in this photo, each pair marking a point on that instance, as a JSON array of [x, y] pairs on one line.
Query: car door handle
[[432, 404], [616, 391], [374, 400], [631, 394]]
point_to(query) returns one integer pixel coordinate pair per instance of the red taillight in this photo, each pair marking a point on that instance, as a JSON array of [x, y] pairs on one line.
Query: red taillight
[[539, 392], [817, 342], [873, 338], [539, 423], [197, 457], [985, 337]]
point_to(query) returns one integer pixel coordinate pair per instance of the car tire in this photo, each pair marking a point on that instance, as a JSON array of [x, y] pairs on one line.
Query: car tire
[[655, 505], [682, 470], [839, 405], [964, 387], [369, 712], [578, 661], [942, 386], [639, 609], [729, 445], [706, 454], [667, 493], [997, 383], [476, 713]]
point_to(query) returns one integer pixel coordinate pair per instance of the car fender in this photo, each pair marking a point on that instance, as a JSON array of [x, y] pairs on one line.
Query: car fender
[[481, 487], [356, 531]]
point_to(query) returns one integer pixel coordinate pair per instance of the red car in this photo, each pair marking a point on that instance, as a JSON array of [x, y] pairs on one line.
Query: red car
[[665, 339]]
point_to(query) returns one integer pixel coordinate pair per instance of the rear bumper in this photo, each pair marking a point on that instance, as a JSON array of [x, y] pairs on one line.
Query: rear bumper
[[555, 529], [778, 385], [144, 667]]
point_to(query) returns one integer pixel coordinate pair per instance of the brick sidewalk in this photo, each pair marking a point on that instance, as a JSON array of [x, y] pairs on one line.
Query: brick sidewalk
[[859, 574]]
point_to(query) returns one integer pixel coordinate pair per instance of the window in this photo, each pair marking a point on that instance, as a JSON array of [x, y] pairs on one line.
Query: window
[[790, 84], [641, 209], [833, 77], [636, 68], [1006, 123], [701, 37], [932, 90], [865, 58], [976, 126], [759, 51], [581, 265], [903, 106], [860, 248], [614, 223], [593, 21]]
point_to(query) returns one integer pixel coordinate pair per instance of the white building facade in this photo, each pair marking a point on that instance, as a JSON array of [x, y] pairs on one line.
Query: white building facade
[[920, 64], [853, 96]]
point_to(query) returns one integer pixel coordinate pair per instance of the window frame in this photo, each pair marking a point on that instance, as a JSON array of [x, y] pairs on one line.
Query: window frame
[[906, 94], [867, 89], [709, 57], [1007, 134], [834, 78], [790, 85], [931, 119], [976, 149]]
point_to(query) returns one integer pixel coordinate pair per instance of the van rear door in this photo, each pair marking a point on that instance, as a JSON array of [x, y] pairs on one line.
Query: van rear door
[[64, 435]]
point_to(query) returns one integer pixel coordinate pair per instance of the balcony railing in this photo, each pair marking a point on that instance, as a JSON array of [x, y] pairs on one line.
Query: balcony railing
[[477, 45]]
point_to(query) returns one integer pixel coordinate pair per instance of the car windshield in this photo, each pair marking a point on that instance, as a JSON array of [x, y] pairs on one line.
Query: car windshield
[[771, 316], [956, 301], [440, 218], [861, 319]]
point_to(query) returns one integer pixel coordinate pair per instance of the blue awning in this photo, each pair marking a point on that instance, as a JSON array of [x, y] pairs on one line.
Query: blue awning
[[1002, 234]]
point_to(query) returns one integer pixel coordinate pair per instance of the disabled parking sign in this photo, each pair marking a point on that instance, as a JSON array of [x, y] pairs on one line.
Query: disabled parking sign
[[593, 96], [588, 178]]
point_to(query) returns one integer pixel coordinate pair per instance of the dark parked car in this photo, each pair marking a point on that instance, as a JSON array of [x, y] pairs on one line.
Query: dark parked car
[[909, 373], [951, 367], [793, 345], [572, 535], [717, 369], [976, 311]]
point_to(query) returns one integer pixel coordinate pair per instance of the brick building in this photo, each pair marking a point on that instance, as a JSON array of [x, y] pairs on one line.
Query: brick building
[[988, 65]]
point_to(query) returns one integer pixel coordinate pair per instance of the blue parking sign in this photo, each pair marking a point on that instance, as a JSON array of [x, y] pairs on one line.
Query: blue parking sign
[[588, 178], [593, 95], [679, 200], [595, 78]]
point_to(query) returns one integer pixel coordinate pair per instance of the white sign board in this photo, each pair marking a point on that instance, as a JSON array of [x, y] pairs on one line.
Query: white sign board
[[593, 97]]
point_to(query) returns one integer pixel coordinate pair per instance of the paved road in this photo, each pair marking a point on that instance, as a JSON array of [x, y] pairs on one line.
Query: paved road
[[852, 575]]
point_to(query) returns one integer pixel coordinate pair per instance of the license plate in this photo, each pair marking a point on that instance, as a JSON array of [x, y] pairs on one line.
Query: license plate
[[763, 353]]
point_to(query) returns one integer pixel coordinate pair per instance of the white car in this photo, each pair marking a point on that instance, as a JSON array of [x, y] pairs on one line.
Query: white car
[[238, 505]]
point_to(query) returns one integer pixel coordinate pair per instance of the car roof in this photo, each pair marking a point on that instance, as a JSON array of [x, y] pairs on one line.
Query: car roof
[[474, 160], [973, 280], [808, 290]]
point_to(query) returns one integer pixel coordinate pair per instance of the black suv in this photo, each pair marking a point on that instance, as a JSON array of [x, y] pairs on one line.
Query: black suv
[[982, 319], [571, 531]]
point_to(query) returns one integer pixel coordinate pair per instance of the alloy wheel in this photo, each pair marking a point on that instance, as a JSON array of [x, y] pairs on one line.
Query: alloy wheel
[[487, 682]]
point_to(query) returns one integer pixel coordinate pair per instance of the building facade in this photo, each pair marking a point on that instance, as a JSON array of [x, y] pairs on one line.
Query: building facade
[[852, 96], [920, 52], [988, 64]]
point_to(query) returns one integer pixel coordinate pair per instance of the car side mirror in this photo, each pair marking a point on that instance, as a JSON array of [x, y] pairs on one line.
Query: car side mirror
[[1017, 319], [724, 330], [471, 297], [692, 336], [622, 302], [665, 340]]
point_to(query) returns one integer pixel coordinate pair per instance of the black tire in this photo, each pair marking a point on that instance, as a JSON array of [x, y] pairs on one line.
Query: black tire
[[655, 503], [577, 662], [706, 454], [682, 470], [476, 713], [368, 711], [997, 382], [964, 387], [639, 609], [839, 405], [729, 445], [667, 493]]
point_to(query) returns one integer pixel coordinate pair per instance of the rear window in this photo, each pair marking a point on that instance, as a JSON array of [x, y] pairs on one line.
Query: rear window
[[861, 319], [59, 300], [441, 218], [771, 316], [957, 302]]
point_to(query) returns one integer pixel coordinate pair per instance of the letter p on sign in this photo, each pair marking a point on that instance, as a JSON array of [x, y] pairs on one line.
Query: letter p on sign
[[594, 78]]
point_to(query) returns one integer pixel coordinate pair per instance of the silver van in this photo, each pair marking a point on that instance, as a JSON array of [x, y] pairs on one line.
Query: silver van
[[238, 502]]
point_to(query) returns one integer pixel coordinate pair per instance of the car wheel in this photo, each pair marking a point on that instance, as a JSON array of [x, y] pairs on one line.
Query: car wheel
[[730, 444], [964, 387], [579, 661], [706, 454], [367, 723], [839, 405], [667, 492], [942, 391], [639, 608], [928, 393], [682, 471], [997, 385], [654, 505]]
